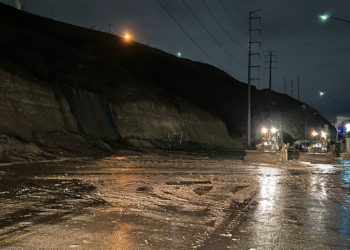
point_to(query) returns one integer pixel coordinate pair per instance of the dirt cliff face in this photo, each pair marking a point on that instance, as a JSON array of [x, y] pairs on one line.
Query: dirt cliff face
[[62, 92], [71, 88], [27, 107], [170, 124]]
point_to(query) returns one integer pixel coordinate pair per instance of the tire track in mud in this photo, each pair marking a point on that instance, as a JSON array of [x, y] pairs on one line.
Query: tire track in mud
[[27, 201], [235, 214]]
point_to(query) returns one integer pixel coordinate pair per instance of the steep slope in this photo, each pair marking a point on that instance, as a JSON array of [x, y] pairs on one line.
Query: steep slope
[[97, 88], [73, 90]]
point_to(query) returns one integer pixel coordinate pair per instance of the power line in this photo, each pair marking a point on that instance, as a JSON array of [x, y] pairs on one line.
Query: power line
[[263, 39], [194, 40], [248, 4], [261, 34], [240, 11], [263, 42], [222, 26], [232, 18], [211, 34], [344, 91]]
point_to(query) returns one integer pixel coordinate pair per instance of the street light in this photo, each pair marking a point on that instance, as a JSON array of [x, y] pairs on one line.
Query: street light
[[306, 128], [325, 17], [314, 133], [335, 105]]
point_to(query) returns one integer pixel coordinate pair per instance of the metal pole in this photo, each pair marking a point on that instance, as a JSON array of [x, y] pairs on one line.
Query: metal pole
[[298, 90], [306, 128], [249, 78], [270, 74], [335, 109], [249, 82], [335, 105], [305, 133]]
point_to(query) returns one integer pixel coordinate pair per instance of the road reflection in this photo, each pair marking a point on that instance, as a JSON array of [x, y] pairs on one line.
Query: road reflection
[[268, 197], [268, 193], [345, 179], [317, 186], [296, 211], [121, 238]]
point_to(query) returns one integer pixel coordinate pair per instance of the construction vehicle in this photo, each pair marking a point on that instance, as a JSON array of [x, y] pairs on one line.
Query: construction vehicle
[[271, 148], [321, 151]]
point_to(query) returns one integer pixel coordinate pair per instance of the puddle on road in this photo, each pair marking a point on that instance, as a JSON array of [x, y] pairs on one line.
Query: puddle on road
[[29, 201], [345, 186]]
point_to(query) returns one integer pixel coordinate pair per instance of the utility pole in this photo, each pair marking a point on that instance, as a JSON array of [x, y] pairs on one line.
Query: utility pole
[[291, 86], [270, 67], [298, 89], [250, 54]]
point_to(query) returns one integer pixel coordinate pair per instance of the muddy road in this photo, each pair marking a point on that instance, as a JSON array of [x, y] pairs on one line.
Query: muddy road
[[174, 200]]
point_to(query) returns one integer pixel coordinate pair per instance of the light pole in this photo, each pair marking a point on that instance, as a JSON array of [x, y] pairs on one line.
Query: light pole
[[325, 17], [335, 105], [306, 128]]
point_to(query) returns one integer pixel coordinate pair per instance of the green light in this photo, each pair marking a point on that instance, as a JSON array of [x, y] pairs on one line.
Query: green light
[[324, 17]]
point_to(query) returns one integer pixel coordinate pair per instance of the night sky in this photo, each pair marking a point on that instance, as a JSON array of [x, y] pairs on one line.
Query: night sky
[[216, 32]]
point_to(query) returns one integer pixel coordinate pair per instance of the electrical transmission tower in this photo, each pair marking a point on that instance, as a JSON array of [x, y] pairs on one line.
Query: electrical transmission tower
[[250, 67], [270, 68]]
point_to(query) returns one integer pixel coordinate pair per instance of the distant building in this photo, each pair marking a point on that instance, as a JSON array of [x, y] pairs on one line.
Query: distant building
[[343, 128], [13, 3], [342, 124]]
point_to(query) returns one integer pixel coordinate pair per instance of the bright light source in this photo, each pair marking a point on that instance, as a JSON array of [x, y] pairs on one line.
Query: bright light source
[[321, 93], [314, 133], [179, 54], [323, 134], [347, 126], [324, 17], [264, 130], [273, 130], [127, 38]]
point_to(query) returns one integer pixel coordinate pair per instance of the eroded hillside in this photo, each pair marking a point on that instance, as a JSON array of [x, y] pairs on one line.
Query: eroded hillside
[[73, 90]]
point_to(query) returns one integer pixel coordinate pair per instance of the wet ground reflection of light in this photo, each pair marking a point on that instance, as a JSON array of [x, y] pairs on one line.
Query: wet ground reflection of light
[[121, 239], [317, 186], [345, 179], [266, 222], [267, 192]]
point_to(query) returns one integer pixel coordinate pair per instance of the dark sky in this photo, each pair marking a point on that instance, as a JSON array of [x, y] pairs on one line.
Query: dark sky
[[216, 32]]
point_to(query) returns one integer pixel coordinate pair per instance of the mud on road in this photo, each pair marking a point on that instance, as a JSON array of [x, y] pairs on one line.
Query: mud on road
[[170, 200]]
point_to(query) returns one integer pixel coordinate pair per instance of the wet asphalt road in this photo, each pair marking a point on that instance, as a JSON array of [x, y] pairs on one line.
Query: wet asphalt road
[[294, 210], [174, 201]]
